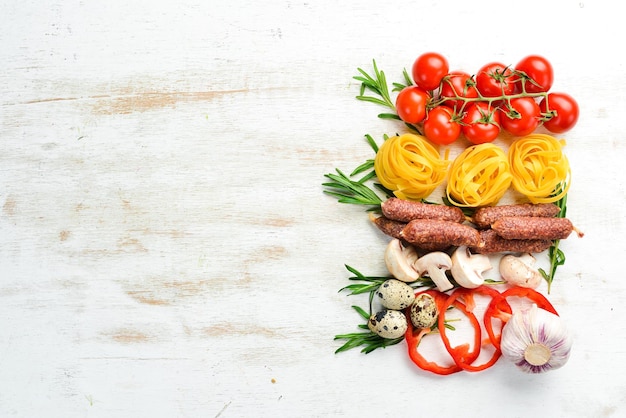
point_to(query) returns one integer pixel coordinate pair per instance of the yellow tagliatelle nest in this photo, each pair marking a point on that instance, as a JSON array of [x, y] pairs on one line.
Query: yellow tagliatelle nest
[[540, 169], [410, 166], [479, 176]]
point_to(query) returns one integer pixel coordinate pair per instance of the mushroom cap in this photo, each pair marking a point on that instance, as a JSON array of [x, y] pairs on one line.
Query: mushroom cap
[[399, 261], [467, 268], [520, 271], [434, 265]]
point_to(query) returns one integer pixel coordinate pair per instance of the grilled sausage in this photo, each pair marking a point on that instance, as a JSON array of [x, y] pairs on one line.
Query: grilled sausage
[[484, 217], [420, 232], [388, 226], [406, 211], [393, 229], [529, 227], [491, 242]]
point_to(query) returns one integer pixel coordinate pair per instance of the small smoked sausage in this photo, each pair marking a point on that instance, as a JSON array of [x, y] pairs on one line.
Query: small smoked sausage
[[420, 232], [491, 242], [529, 227], [388, 226], [393, 229], [406, 210], [484, 217]]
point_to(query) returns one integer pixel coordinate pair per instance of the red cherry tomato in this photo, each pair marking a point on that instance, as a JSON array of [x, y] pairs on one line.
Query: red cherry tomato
[[481, 123], [521, 117], [495, 79], [457, 84], [562, 110], [540, 72], [440, 126], [411, 104], [428, 70]]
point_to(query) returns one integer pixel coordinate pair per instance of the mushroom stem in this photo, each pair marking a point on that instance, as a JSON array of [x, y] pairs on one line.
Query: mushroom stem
[[435, 265]]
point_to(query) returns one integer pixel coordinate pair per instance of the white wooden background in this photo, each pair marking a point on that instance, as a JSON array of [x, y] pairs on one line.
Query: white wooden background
[[165, 246]]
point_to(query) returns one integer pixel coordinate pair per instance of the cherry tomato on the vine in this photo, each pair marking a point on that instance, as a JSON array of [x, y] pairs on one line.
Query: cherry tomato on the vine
[[521, 117], [428, 70], [440, 127], [411, 104], [563, 109], [457, 84], [539, 70], [495, 79], [481, 123]]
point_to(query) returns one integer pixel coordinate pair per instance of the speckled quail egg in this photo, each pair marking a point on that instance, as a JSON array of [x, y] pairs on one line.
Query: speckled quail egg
[[388, 323], [424, 311], [395, 294]]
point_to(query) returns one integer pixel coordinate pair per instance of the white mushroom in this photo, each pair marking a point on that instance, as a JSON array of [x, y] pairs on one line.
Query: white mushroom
[[519, 270], [467, 268], [434, 265], [399, 260]]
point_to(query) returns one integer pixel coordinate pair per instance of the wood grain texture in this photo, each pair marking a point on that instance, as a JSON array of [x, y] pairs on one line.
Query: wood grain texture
[[165, 245]]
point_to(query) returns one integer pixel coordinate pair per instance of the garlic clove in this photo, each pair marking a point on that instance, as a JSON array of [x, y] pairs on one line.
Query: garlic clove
[[536, 340]]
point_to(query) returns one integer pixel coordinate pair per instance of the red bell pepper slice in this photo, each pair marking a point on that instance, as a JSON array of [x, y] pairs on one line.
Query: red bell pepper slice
[[533, 295], [414, 336], [500, 308], [467, 309]]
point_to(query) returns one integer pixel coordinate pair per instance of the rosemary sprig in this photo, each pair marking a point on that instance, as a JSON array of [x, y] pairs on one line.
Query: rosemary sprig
[[369, 163], [555, 254], [407, 81], [370, 285], [377, 84], [347, 190], [368, 339], [357, 192]]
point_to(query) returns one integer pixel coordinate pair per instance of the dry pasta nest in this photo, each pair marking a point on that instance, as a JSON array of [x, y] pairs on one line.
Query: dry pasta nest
[[534, 165]]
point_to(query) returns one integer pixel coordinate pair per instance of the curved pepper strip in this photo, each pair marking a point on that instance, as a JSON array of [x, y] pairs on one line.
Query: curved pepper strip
[[533, 295], [414, 336], [500, 308], [468, 295]]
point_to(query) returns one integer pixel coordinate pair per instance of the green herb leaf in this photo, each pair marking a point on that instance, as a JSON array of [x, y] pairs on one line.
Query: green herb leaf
[[362, 312], [555, 254], [376, 84], [389, 116], [372, 143], [371, 282], [347, 190], [367, 165], [369, 340]]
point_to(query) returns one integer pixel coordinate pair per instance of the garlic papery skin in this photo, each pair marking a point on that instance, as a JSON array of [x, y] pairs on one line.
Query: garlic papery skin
[[536, 340]]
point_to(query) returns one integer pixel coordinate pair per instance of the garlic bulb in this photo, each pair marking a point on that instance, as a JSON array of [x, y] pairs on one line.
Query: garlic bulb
[[536, 340]]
